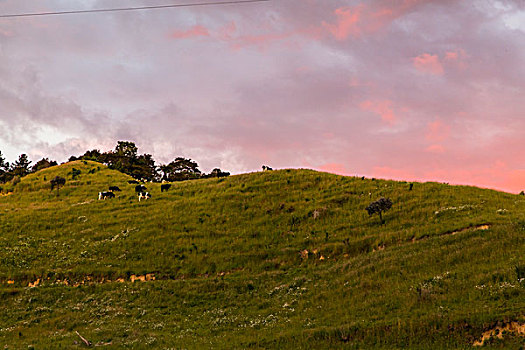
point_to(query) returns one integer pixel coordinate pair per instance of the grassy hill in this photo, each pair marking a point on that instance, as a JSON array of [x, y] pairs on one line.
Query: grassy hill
[[281, 259]]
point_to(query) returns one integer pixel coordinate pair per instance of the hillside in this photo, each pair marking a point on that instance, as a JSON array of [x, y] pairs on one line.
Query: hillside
[[280, 259]]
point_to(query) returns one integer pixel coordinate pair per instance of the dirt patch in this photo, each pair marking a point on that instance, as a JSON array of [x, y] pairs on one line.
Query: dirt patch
[[472, 228], [450, 233], [87, 280], [90, 280], [500, 330], [82, 203]]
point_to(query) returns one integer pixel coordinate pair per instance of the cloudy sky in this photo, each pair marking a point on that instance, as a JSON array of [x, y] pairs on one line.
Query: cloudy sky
[[407, 89]]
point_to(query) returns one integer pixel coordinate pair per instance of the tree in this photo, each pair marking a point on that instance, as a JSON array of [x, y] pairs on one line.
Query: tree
[[126, 160], [126, 149], [57, 181], [4, 169], [180, 169], [42, 164], [21, 166], [217, 173], [143, 167], [93, 155], [379, 206]]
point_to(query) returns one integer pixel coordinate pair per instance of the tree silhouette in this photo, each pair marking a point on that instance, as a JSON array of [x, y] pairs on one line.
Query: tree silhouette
[[21, 166], [126, 149], [125, 159], [180, 169], [57, 181], [4, 169], [42, 164], [217, 173], [379, 206]]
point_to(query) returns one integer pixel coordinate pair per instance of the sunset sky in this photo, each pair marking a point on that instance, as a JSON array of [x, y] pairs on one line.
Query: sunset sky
[[408, 89]]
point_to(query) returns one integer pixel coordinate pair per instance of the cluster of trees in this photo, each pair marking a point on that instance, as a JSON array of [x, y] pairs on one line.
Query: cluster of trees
[[124, 158], [21, 167]]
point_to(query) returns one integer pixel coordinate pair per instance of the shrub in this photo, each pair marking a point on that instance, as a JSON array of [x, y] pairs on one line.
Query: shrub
[[57, 181], [379, 206]]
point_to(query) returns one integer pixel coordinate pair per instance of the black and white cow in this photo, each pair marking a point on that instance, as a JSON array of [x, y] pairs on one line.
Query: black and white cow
[[140, 189], [165, 187], [133, 182], [104, 195], [266, 168], [144, 195], [114, 189]]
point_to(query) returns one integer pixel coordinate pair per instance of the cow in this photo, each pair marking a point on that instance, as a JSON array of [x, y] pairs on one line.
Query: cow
[[140, 189], [133, 182], [104, 195], [114, 189], [164, 187], [266, 168], [144, 195]]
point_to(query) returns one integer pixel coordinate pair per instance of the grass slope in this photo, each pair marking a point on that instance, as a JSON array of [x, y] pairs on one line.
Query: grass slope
[[281, 259]]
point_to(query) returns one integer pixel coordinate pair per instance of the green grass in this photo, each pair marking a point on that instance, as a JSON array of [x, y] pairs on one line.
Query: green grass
[[226, 256]]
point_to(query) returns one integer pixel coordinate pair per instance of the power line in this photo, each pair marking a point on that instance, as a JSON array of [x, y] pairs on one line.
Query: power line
[[130, 8]]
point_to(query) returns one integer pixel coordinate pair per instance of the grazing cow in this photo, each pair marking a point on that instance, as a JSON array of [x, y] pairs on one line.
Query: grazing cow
[[144, 195], [133, 182], [114, 189], [164, 187], [266, 168], [104, 195], [411, 187], [140, 189]]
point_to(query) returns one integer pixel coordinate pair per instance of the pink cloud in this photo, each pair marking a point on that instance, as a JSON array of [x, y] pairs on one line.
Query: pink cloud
[[346, 24], [435, 65], [451, 56], [457, 58], [261, 40], [367, 18], [382, 107], [435, 148], [437, 131], [455, 55], [195, 31], [428, 63], [230, 34], [228, 31]]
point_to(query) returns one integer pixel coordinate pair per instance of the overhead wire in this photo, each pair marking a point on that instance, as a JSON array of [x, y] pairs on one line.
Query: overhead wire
[[140, 8]]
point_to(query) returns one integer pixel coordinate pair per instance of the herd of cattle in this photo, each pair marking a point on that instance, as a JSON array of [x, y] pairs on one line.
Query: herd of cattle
[[140, 190]]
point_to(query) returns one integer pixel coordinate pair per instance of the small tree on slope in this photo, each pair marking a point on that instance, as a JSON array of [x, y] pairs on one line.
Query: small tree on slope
[[57, 181], [379, 206]]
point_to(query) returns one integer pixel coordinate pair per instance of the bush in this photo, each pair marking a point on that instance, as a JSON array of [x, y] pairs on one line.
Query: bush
[[379, 206]]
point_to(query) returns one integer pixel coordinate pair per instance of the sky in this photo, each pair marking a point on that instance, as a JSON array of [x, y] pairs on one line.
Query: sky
[[417, 90]]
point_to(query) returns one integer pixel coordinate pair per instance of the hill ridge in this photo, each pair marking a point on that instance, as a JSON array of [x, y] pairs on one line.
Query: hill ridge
[[229, 264]]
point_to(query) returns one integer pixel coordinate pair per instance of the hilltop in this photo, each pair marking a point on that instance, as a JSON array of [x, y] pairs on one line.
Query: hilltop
[[279, 259]]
